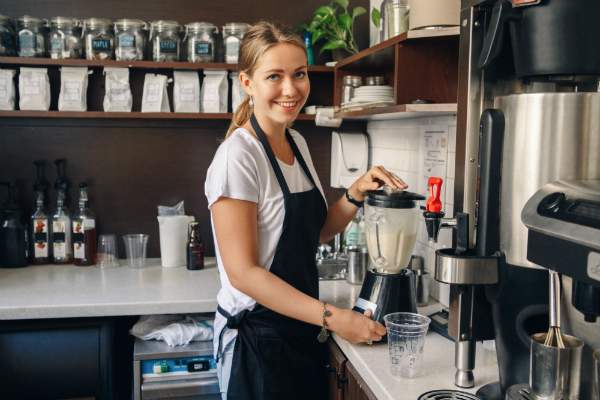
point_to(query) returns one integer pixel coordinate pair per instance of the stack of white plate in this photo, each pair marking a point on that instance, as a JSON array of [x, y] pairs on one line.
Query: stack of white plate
[[373, 94]]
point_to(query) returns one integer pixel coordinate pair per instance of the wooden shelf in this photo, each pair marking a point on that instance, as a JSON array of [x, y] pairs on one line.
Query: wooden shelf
[[127, 115], [399, 111], [382, 54], [32, 61]]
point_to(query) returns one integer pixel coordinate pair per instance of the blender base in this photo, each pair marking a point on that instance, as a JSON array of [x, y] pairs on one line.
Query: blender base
[[387, 293]]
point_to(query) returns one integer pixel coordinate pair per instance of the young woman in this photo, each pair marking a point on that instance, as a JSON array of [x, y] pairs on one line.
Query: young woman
[[268, 215]]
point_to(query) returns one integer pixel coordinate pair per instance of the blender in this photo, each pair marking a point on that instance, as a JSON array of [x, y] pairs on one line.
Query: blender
[[391, 221]]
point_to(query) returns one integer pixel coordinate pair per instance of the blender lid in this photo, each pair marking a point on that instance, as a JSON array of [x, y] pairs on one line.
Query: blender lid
[[402, 199]]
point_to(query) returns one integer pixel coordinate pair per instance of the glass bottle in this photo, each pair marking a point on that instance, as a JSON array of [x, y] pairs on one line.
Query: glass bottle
[[195, 248], [14, 251], [62, 248], [84, 231], [355, 232], [40, 232]]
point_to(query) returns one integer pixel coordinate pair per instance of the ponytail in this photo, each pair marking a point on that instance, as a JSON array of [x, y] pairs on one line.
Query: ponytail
[[241, 115]]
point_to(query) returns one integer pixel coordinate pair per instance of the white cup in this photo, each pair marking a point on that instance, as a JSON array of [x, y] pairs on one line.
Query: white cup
[[173, 231]]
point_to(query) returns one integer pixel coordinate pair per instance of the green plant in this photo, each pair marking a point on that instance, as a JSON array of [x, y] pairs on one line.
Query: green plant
[[334, 24]]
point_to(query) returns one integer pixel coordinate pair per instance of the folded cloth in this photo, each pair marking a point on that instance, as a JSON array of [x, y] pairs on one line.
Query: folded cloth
[[175, 330]]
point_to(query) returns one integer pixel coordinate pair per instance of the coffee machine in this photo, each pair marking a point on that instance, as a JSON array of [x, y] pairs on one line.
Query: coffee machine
[[391, 221], [528, 115]]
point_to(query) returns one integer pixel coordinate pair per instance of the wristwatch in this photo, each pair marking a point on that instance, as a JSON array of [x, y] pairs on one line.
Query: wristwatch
[[352, 200]]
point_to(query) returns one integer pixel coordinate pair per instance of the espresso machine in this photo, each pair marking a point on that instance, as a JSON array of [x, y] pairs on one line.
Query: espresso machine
[[528, 115], [391, 222]]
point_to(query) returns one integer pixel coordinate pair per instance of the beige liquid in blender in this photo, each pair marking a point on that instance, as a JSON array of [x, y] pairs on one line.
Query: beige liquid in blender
[[393, 251]]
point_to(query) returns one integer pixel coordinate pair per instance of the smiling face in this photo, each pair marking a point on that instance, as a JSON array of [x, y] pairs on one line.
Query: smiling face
[[279, 85]]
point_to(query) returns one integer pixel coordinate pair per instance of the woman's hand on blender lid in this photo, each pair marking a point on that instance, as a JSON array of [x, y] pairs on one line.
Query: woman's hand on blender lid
[[376, 177]]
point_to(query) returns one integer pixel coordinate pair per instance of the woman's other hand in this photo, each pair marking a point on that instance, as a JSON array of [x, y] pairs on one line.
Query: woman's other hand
[[355, 327], [373, 179]]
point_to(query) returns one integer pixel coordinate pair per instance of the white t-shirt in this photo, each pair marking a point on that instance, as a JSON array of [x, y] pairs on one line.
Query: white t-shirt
[[241, 170]]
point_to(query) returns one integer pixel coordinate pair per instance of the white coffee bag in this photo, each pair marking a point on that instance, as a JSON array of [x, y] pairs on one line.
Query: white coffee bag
[[73, 89], [7, 89], [237, 93], [117, 95], [214, 92], [155, 97], [186, 91], [34, 89]]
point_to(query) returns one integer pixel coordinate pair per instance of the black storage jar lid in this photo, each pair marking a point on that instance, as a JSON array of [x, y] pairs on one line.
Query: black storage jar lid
[[401, 199]]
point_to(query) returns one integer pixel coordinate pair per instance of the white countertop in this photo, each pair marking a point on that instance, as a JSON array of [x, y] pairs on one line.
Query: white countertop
[[372, 362], [67, 291]]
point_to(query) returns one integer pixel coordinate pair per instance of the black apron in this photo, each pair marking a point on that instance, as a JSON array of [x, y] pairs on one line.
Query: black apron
[[277, 357]]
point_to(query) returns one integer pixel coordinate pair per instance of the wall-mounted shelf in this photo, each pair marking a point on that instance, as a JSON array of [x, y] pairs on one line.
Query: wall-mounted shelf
[[47, 62], [399, 111], [419, 65], [126, 115]]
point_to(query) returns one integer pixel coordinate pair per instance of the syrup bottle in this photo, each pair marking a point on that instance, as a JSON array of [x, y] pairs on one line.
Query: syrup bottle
[[84, 231], [40, 231], [62, 247], [195, 248]]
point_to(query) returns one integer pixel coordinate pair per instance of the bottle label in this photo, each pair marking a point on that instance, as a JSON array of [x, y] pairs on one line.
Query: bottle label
[[89, 223], [61, 239], [79, 250], [203, 48], [168, 46], [126, 41], [232, 48], [100, 44], [60, 250], [27, 42], [56, 45], [40, 238]]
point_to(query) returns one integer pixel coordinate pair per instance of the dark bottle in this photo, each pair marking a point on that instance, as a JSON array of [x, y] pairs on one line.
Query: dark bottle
[[84, 231], [195, 248], [14, 249], [62, 247], [40, 232]]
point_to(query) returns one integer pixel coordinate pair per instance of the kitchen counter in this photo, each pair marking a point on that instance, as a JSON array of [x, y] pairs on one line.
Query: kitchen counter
[[372, 362], [67, 291]]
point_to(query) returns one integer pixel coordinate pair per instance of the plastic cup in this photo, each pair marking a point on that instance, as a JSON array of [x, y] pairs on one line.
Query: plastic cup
[[107, 251], [406, 340], [135, 248]]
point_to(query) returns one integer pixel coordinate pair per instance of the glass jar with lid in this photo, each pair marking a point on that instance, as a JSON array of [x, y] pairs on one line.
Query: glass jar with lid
[[200, 41], [98, 38], [31, 41], [8, 46], [165, 40], [130, 39], [64, 38], [233, 33]]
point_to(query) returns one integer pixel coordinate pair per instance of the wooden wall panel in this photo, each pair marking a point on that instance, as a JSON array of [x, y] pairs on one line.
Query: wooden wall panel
[[133, 169]]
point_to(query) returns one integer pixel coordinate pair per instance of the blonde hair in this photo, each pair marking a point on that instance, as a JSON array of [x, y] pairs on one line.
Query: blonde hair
[[259, 38]]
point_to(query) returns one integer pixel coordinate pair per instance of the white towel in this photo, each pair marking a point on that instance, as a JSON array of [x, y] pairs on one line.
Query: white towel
[[175, 330]]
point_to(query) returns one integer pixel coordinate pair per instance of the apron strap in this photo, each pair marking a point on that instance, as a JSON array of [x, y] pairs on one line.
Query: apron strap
[[263, 140], [233, 322], [299, 157]]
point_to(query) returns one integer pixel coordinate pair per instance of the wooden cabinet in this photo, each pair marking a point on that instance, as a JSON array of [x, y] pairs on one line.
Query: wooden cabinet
[[344, 381]]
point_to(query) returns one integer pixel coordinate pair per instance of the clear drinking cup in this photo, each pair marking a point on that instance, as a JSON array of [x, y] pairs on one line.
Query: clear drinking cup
[[135, 248], [406, 339], [107, 251]]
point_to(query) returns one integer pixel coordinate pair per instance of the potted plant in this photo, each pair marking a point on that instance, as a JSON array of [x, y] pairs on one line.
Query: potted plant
[[333, 25]]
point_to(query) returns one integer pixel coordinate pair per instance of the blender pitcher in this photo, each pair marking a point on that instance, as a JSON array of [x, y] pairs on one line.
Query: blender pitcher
[[391, 221]]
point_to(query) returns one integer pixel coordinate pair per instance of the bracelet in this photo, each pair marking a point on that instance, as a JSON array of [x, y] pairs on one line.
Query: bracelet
[[324, 333], [352, 200]]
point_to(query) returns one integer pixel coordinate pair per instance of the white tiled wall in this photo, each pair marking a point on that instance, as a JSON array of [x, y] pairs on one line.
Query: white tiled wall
[[415, 149]]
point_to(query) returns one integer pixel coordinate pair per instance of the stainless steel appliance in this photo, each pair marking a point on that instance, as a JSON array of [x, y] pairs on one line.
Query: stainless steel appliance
[[183, 372], [543, 113], [391, 221]]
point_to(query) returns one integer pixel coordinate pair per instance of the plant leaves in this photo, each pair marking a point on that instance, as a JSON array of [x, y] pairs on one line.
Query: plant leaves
[[345, 21], [342, 3], [316, 36], [334, 44], [376, 17], [358, 11], [324, 10]]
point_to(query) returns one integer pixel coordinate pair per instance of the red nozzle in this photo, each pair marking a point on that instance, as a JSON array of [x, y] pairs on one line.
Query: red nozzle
[[434, 203]]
